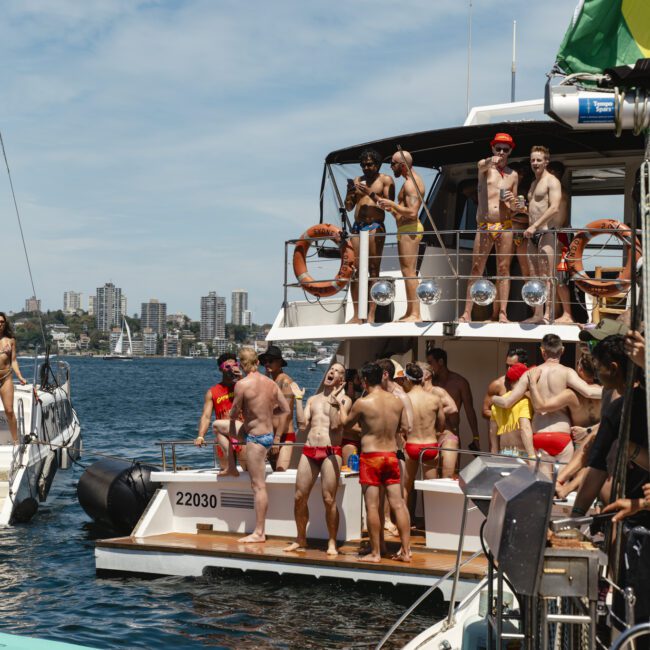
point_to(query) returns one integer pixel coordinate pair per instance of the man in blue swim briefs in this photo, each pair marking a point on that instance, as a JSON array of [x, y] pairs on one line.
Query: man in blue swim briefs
[[259, 398], [363, 194]]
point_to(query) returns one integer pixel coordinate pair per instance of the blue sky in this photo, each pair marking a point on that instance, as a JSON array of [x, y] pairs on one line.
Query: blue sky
[[172, 147]]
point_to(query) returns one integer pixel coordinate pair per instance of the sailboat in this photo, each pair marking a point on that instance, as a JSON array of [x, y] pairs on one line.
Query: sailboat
[[118, 353]]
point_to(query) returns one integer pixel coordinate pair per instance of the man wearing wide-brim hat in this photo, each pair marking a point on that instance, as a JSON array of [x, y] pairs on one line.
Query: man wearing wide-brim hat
[[283, 429]]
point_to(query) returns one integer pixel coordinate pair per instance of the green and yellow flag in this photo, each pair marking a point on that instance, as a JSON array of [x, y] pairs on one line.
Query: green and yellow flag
[[604, 34]]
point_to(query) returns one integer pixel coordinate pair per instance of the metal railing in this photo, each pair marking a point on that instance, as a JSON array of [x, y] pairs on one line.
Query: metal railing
[[460, 248]]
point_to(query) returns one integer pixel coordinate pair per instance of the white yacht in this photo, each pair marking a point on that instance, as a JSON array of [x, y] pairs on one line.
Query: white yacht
[[50, 439]]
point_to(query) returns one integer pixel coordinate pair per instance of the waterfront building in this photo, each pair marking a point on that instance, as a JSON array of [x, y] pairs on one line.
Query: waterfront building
[[153, 314], [137, 346], [172, 345], [199, 349], [84, 342], [213, 317], [123, 305], [113, 338], [219, 346], [150, 342], [71, 302], [91, 305], [33, 304], [108, 307], [239, 304]]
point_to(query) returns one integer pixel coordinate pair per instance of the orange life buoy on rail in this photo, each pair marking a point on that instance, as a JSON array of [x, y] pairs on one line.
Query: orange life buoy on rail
[[576, 249], [323, 288]]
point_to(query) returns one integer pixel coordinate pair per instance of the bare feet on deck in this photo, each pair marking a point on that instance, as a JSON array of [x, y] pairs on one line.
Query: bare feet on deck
[[370, 557], [228, 472], [366, 550], [503, 318], [413, 318], [355, 320], [253, 538], [401, 556], [536, 320], [465, 318], [565, 319], [331, 548], [295, 547]]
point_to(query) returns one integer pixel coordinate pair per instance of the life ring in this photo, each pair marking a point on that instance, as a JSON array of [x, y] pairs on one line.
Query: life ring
[[323, 288], [577, 247]]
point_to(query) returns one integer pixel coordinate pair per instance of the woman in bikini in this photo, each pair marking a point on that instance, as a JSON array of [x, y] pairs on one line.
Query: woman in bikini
[[8, 365]]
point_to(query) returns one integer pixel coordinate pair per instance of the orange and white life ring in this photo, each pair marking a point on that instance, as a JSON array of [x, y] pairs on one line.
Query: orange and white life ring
[[574, 258], [323, 288]]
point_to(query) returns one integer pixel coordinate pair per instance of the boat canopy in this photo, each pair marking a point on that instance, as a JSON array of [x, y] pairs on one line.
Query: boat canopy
[[463, 144]]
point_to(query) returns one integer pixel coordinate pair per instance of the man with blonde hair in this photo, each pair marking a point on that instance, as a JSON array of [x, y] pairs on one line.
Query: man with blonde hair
[[409, 228], [259, 398], [545, 217]]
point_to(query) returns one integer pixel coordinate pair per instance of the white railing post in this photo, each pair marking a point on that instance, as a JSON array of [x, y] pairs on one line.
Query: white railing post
[[364, 242]]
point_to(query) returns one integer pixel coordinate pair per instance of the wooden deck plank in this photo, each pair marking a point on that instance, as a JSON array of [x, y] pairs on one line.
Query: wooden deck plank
[[424, 561]]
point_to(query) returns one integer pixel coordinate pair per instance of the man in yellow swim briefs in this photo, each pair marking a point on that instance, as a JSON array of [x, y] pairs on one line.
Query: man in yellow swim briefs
[[497, 191], [409, 228]]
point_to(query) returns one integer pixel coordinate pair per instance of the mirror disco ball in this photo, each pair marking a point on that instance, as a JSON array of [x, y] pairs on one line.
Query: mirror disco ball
[[534, 293], [483, 292], [382, 292], [429, 292]]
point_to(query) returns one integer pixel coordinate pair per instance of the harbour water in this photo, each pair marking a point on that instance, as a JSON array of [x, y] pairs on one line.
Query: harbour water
[[48, 586]]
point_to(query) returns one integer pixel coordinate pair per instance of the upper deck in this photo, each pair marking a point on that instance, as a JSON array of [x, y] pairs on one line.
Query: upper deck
[[599, 182]]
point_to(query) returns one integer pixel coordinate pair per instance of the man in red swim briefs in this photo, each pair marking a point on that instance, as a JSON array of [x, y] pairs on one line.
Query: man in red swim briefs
[[428, 420], [321, 420], [218, 400], [552, 431], [380, 415]]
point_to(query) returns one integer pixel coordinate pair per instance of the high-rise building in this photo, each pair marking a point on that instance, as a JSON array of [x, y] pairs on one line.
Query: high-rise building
[[247, 318], [71, 302], [239, 306], [108, 303], [153, 314], [33, 304], [213, 317], [123, 310], [91, 305]]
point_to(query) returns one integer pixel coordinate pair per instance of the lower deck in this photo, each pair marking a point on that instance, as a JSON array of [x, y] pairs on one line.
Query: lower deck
[[190, 554]]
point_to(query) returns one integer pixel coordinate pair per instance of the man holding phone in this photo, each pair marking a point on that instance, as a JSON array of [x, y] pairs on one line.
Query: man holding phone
[[363, 194]]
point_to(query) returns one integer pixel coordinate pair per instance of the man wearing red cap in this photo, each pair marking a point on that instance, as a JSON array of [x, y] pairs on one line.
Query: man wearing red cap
[[497, 189], [511, 431]]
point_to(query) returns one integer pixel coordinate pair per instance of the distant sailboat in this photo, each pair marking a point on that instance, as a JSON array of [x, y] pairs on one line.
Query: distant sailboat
[[118, 353]]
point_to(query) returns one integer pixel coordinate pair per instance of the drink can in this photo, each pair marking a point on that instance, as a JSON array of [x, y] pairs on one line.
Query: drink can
[[502, 195], [521, 201]]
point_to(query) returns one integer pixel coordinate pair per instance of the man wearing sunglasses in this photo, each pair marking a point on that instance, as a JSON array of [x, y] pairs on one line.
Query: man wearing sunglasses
[[497, 189], [218, 400], [364, 193]]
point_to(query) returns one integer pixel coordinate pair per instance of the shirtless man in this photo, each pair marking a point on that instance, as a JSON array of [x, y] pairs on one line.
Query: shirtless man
[[552, 431], [283, 432], [380, 415], [498, 386], [511, 428], [458, 387], [585, 416], [218, 400], [259, 398], [520, 216], [321, 455], [544, 199], [447, 440], [8, 366], [428, 421], [409, 228], [364, 194], [493, 220]]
